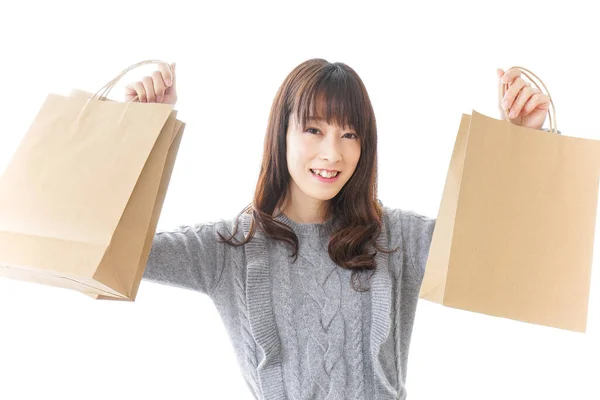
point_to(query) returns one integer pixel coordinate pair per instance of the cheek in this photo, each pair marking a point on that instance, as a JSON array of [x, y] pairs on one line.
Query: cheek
[[355, 157], [296, 153], [290, 154]]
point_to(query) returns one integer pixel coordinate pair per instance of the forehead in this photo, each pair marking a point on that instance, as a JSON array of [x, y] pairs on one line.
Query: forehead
[[321, 120], [319, 109]]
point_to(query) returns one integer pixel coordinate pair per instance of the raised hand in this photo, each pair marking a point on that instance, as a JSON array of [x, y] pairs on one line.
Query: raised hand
[[527, 106], [159, 87]]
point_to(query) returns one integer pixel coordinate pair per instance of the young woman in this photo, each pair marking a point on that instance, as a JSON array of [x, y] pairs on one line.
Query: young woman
[[316, 280]]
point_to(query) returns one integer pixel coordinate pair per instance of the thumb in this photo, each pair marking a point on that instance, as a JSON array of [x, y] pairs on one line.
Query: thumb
[[174, 73], [500, 72]]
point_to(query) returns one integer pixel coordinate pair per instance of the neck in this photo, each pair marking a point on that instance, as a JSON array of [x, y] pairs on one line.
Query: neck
[[304, 211]]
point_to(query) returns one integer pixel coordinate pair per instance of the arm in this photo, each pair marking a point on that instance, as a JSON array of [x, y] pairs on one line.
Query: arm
[[188, 257], [420, 232], [414, 233]]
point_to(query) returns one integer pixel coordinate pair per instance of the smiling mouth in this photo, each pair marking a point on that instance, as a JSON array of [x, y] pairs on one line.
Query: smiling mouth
[[326, 175]]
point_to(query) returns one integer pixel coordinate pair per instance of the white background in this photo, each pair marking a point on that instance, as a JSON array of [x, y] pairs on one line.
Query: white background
[[423, 64]]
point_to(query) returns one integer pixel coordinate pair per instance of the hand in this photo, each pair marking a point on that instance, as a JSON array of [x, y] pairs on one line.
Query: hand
[[157, 88], [527, 106]]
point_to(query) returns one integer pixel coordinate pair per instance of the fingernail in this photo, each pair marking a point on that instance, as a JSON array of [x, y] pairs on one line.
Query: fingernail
[[505, 104], [512, 115], [158, 99], [168, 82]]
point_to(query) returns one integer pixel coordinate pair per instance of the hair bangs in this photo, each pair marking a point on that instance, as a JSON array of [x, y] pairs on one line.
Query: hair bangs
[[336, 97]]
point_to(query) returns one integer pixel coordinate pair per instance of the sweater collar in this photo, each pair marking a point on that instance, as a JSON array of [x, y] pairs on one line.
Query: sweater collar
[[320, 229]]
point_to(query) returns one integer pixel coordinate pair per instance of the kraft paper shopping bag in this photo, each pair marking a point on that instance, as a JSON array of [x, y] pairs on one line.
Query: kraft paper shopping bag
[[80, 195], [515, 230], [160, 196], [141, 194]]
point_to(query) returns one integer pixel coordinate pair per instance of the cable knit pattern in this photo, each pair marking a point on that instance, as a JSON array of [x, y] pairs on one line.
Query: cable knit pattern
[[324, 322], [396, 276], [261, 315], [248, 340], [298, 329], [355, 385], [395, 334], [295, 386]]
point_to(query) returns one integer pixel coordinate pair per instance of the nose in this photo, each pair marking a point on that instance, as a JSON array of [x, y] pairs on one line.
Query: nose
[[330, 149]]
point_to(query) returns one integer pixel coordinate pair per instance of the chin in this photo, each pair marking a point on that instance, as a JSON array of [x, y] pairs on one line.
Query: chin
[[323, 195], [325, 198]]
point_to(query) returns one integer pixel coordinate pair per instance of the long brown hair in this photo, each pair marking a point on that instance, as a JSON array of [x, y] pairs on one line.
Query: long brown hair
[[355, 210]]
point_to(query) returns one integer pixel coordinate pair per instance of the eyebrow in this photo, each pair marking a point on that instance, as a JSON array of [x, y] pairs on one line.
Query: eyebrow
[[315, 118]]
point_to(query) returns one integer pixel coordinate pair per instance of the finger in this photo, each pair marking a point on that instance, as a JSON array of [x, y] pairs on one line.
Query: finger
[[135, 89], [130, 92], [511, 75], [174, 73], [159, 85], [167, 74], [537, 101], [149, 87], [500, 73], [512, 92], [523, 97]]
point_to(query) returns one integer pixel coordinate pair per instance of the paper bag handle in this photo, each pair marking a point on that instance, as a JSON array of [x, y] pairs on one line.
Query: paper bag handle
[[526, 73], [104, 90]]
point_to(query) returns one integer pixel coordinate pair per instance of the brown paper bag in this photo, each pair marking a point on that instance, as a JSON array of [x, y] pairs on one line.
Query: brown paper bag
[[515, 231], [83, 192], [139, 199]]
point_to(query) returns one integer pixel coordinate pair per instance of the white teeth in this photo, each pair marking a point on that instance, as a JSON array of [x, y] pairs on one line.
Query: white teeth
[[324, 173]]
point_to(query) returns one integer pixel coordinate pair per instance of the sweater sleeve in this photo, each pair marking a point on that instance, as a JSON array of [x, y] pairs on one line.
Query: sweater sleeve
[[189, 257], [420, 234], [414, 233]]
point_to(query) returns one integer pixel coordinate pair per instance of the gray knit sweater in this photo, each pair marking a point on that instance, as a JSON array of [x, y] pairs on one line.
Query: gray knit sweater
[[299, 330]]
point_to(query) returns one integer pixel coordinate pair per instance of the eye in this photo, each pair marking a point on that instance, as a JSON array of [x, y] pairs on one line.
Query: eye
[[311, 129], [355, 135]]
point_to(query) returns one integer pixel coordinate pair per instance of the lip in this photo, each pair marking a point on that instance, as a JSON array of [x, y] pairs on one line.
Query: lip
[[324, 180], [325, 169]]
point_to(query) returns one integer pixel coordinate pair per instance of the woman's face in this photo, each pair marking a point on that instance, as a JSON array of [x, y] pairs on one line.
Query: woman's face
[[319, 147]]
